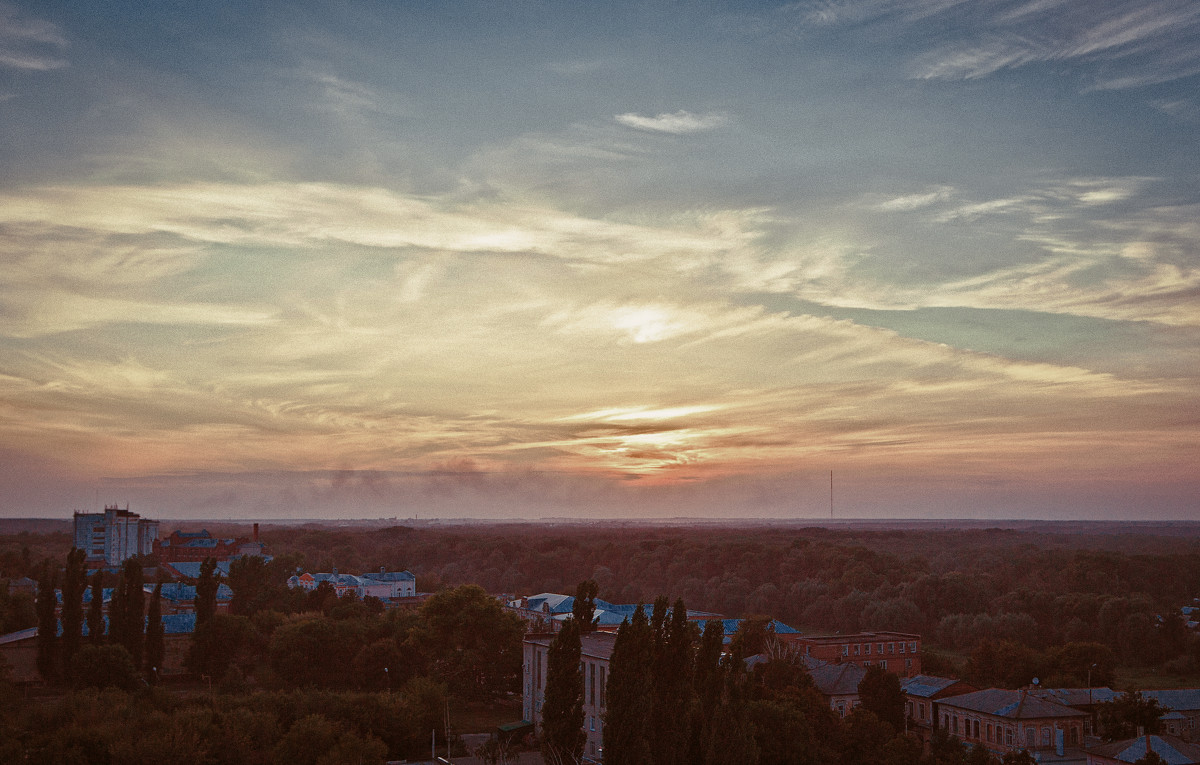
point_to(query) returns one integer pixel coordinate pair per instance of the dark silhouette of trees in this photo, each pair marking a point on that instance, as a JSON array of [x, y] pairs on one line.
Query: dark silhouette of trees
[[95, 614], [47, 639], [155, 647], [471, 643], [562, 712], [206, 591], [74, 583], [126, 611], [1120, 718], [583, 610], [627, 729], [879, 692]]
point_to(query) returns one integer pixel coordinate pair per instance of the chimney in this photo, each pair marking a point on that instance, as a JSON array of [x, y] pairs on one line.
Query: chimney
[[256, 533]]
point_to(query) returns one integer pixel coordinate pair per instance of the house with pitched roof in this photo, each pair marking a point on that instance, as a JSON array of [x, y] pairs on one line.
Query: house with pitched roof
[[1005, 721], [920, 693], [1172, 750]]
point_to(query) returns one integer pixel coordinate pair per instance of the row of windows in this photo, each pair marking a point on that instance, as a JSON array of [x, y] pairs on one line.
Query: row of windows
[[864, 649], [1006, 735]]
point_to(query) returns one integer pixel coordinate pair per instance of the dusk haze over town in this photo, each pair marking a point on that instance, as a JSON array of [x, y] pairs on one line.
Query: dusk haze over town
[[662, 382], [601, 260]]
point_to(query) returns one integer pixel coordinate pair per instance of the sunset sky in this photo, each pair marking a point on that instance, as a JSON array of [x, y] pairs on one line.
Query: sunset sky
[[641, 259]]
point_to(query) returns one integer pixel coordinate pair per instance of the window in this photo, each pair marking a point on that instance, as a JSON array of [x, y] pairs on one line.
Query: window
[[856, 648], [883, 663], [991, 733], [846, 650], [902, 648], [1008, 736], [1045, 736], [867, 663], [976, 729], [602, 685], [867, 649], [908, 663], [921, 710], [880, 647], [841, 709], [912, 647], [592, 685], [891, 647]]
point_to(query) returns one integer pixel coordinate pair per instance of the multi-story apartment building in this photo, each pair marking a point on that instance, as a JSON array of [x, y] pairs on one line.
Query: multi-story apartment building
[[597, 648], [112, 537]]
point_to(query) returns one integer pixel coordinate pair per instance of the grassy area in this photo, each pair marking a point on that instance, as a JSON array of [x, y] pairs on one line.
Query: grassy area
[[1150, 679], [479, 717]]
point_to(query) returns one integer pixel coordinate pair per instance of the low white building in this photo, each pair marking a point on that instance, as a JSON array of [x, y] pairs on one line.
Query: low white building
[[385, 585]]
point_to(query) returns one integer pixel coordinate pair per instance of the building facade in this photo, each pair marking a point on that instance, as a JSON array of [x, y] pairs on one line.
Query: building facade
[[1005, 721], [897, 652], [114, 536], [596, 652]]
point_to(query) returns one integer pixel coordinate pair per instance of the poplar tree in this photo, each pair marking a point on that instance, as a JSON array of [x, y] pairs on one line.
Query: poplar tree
[[672, 688], [134, 616], [155, 649], [116, 611], [74, 583], [206, 592], [627, 721], [562, 713], [95, 615], [583, 610], [735, 745], [707, 682], [47, 637]]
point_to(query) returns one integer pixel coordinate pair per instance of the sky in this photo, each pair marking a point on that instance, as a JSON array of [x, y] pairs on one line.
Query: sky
[[627, 259]]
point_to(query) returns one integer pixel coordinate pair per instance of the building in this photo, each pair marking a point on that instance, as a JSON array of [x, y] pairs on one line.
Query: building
[[1083, 699], [1172, 750], [185, 546], [1007, 721], [385, 585], [838, 684], [920, 693], [181, 598], [596, 652], [1184, 704], [114, 536], [897, 652]]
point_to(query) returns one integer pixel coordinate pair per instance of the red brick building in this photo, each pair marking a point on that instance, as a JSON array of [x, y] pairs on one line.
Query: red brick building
[[897, 652]]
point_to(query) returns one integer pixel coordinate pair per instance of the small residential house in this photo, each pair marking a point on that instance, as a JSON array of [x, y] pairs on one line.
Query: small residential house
[[385, 585], [838, 684], [1006, 721], [1184, 704], [920, 693], [1172, 750]]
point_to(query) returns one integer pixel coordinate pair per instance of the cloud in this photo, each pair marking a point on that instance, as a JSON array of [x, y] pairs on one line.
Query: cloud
[[1147, 43], [29, 43], [679, 123]]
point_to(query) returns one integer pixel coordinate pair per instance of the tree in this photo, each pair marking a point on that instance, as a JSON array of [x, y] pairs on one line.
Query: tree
[[95, 615], [218, 643], [248, 580], [879, 692], [155, 648], [103, 666], [47, 638], [583, 610], [562, 713], [706, 689], [1020, 757], [206, 591], [627, 721], [1151, 758], [1120, 718], [473, 644], [735, 745], [127, 625], [671, 691], [74, 583]]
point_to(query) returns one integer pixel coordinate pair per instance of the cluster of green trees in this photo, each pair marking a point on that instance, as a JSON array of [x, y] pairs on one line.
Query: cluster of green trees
[[115, 654], [673, 698], [1038, 589], [151, 726]]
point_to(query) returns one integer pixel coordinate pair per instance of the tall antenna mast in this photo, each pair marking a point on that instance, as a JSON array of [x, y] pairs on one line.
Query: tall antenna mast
[[831, 495]]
